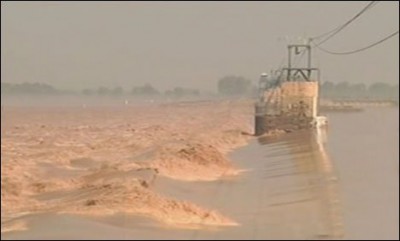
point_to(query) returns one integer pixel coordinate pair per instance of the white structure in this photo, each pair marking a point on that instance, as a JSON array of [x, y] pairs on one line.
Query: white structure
[[320, 121]]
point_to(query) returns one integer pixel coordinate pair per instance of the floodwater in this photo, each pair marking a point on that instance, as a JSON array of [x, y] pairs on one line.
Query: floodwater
[[364, 147], [342, 182]]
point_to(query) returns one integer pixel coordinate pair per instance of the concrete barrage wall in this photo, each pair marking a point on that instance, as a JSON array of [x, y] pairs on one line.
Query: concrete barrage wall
[[292, 105]]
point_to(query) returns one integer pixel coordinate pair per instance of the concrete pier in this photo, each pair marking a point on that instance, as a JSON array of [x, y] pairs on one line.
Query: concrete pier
[[290, 106]]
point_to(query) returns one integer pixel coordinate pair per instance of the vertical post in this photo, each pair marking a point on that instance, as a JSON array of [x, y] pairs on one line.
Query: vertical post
[[319, 86], [309, 61], [289, 62]]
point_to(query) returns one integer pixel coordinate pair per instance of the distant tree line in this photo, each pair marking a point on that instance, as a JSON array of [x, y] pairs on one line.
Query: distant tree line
[[103, 91], [240, 86], [233, 86], [146, 90], [345, 90], [29, 88]]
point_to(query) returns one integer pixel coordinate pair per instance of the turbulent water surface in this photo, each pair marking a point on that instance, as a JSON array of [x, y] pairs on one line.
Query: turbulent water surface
[[339, 182]]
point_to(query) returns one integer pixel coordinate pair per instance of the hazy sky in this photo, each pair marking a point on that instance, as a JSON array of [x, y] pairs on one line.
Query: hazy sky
[[192, 44]]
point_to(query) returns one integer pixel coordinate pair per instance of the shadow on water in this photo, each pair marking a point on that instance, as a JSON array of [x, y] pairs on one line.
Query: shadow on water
[[307, 157]]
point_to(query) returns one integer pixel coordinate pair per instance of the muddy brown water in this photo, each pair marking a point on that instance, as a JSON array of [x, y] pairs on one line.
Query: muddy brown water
[[338, 183]]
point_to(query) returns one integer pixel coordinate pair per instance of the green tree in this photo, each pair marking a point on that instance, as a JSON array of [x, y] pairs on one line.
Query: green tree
[[146, 89], [117, 91], [87, 92], [380, 90], [327, 89], [102, 91], [358, 91], [233, 85]]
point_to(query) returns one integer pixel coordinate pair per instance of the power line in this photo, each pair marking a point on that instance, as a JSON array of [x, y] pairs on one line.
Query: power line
[[324, 34], [338, 29], [348, 22], [358, 50]]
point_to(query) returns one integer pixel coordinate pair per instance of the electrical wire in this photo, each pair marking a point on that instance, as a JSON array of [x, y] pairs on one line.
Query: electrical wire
[[340, 28], [357, 50]]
